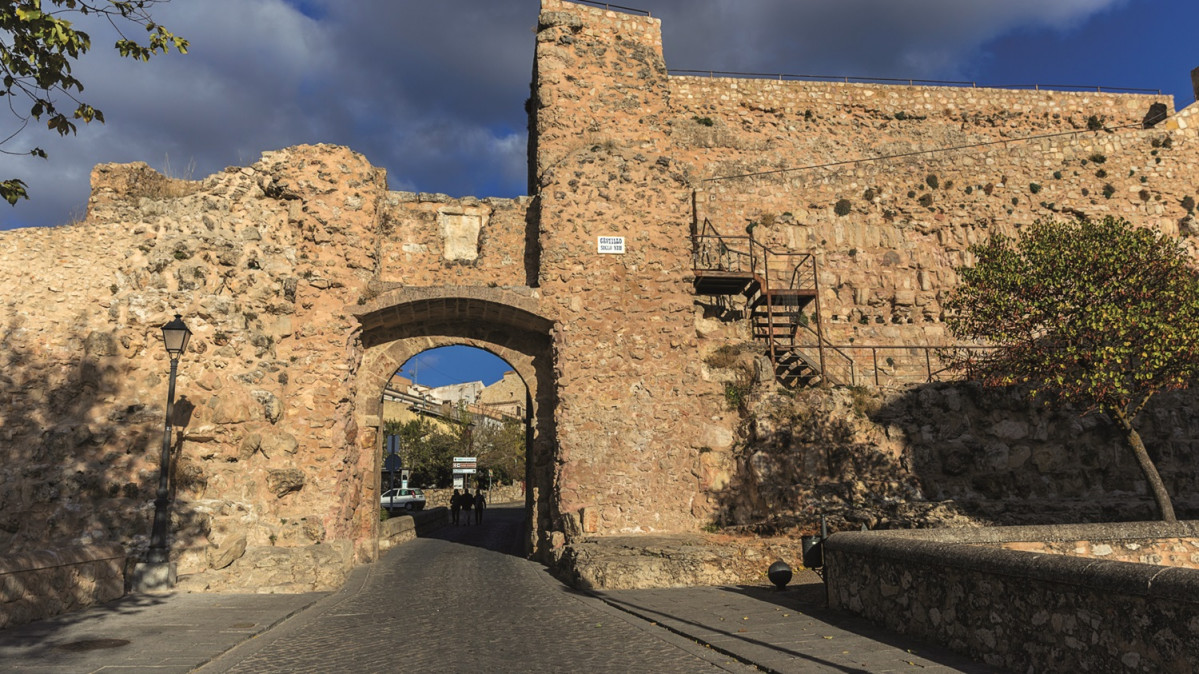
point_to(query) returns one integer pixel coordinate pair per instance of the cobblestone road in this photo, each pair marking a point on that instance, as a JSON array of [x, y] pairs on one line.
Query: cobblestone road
[[462, 602]]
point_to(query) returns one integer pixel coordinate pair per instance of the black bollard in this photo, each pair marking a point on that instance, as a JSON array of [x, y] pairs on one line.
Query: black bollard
[[779, 574]]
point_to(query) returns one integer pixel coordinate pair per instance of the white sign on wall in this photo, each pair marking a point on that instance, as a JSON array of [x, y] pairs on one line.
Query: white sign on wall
[[611, 245]]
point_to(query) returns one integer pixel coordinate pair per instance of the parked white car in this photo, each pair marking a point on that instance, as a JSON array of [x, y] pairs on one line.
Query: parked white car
[[408, 499]]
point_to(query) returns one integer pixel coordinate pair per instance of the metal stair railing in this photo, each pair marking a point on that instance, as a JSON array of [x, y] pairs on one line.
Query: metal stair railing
[[772, 271], [836, 365]]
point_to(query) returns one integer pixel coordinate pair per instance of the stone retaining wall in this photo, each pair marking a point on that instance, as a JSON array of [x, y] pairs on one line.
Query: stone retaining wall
[[1021, 610], [403, 528], [511, 493], [46, 583]]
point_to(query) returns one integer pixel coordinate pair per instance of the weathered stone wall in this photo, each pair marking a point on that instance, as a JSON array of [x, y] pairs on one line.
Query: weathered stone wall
[[262, 261], [942, 454], [1020, 610], [44, 583], [433, 240], [889, 185], [633, 409]]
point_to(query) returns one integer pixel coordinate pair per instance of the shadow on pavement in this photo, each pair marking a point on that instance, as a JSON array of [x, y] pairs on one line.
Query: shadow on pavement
[[671, 621], [807, 598], [500, 531], [41, 635]]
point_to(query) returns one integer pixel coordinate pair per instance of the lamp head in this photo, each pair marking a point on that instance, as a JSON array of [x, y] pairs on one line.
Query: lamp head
[[175, 337]]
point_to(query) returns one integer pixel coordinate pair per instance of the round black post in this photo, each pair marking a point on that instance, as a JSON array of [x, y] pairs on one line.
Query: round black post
[[158, 534]]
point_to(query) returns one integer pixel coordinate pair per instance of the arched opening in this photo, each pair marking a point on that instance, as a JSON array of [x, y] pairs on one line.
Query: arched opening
[[398, 325], [454, 402]]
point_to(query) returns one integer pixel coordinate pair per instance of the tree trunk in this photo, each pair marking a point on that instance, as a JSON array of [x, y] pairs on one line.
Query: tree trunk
[[1164, 506]]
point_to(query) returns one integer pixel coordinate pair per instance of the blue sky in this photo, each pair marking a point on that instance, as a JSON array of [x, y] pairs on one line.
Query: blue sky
[[434, 90], [454, 365]]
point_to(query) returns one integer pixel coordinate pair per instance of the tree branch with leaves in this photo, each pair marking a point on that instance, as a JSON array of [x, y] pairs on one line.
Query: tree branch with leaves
[[39, 44], [1097, 314]]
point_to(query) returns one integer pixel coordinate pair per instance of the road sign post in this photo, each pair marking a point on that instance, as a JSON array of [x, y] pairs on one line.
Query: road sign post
[[465, 465]]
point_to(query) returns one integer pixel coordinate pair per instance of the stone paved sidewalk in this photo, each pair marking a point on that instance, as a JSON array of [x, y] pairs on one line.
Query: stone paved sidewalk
[[785, 631], [159, 634]]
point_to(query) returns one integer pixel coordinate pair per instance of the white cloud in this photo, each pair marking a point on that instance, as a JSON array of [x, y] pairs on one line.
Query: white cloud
[[910, 38]]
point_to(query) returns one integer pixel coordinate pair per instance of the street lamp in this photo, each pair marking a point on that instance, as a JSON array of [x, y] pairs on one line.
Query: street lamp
[[175, 336]]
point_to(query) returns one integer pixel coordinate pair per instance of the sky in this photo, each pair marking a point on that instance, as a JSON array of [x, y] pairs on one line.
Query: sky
[[454, 365], [434, 90]]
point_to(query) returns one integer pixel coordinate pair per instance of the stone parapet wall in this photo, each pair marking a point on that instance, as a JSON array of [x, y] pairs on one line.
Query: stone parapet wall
[[508, 493], [400, 529], [1180, 552], [44, 583], [1020, 610]]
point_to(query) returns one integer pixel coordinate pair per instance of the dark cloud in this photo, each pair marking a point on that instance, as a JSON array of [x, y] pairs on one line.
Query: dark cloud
[[434, 90]]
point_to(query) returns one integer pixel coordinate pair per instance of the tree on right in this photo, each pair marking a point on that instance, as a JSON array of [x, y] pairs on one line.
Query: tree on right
[[1098, 314]]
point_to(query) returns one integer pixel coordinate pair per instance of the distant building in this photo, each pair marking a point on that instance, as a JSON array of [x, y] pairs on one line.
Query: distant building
[[505, 397], [502, 401]]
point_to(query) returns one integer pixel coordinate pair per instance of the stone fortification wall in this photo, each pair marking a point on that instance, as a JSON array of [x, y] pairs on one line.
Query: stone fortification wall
[[433, 240], [307, 284], [1020, 610], [262, 261], [633, 408], [943, 168]]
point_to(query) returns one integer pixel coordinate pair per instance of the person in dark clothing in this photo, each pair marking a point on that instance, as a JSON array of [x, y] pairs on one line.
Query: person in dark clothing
[[467, 501], [480, 501], [455, 506]]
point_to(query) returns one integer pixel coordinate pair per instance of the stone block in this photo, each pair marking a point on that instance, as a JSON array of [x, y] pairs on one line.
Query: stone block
[[153, 577]]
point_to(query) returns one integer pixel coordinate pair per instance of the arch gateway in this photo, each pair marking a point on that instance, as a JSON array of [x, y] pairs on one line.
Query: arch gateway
[[307, 283]]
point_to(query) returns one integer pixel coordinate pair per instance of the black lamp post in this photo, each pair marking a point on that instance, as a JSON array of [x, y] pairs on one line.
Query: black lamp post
[[175, 336]]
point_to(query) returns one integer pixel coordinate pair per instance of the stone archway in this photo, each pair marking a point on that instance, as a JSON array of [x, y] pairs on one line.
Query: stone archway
[[400, 324]]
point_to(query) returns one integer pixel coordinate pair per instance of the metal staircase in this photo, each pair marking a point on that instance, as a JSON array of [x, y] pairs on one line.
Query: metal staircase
[[776, 288]]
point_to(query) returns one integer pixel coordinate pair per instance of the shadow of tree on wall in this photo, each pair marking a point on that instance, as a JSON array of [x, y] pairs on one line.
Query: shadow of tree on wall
[[945, 454], [1004, 459], [816, 453], [80, 452]]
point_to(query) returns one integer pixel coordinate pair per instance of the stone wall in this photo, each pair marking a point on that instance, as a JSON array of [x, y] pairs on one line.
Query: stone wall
[[401, 529], [1021, 610], [633, 409], [44, 583], [941, 454], [262, 262], [433, 240], [890, 201], [500, 493]]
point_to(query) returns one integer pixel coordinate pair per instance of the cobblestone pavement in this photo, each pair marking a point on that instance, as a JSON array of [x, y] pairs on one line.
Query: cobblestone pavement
[[462, 602]]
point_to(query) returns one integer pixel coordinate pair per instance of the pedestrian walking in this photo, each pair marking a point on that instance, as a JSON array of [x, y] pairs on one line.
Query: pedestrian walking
[[480, 501], [467, 502], [455, 507]]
